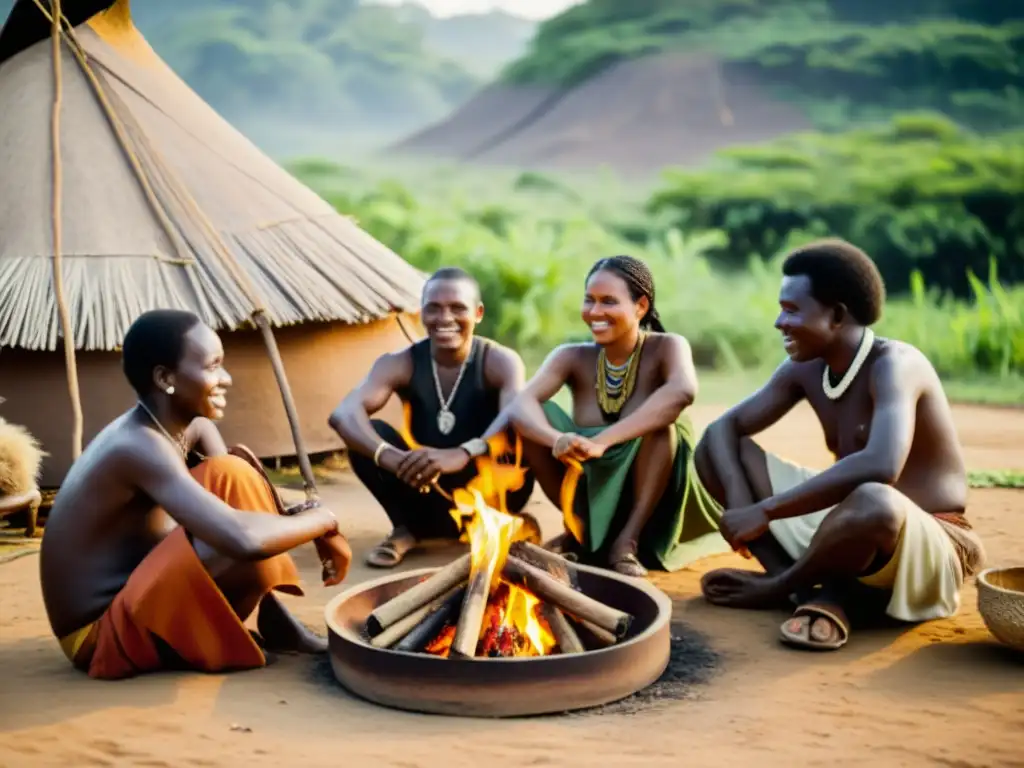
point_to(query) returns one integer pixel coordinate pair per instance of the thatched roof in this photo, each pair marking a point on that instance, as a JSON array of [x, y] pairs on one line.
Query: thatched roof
[[216, 204]]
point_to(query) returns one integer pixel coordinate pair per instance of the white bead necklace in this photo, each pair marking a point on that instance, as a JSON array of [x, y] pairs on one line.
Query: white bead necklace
[[836, 392]]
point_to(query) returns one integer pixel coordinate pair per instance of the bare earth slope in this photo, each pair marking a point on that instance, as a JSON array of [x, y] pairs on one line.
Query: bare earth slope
[[635, 118]]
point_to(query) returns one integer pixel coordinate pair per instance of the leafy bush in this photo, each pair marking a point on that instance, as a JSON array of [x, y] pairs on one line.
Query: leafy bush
[[531, 240], [918, 194]]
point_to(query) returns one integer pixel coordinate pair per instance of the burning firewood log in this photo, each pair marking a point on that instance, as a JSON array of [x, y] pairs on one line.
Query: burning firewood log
[[404, 626], [563, 596], [567, 573], [396, 609], [431, 626], [565, 635], [471, 618], [557, 567]]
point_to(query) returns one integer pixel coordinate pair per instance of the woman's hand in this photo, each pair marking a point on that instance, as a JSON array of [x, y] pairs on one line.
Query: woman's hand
[[572, 447]]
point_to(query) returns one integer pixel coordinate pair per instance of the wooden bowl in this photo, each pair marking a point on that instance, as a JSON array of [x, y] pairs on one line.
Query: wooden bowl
[[1001, 604]]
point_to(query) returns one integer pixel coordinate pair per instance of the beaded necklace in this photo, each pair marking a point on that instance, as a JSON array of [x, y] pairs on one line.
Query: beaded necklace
[[615, 383]]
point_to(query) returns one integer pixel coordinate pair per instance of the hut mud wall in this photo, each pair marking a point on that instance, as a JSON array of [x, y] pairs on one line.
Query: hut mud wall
[[323, 362]]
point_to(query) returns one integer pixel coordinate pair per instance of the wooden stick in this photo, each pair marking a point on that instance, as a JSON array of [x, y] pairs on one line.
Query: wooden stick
[[565, 597], [401, 629], [430, 627], [556, 565], [471, 618], [568, 640], [63, 312], [602, 637], [417, 596], [260, 319]]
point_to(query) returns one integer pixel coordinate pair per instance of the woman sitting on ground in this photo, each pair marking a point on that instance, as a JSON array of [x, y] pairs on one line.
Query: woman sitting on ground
[[628, 445]]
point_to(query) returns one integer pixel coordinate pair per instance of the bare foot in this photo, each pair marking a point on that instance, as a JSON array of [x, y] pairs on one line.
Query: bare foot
[[283, 633], [336, 557], [736, 588]]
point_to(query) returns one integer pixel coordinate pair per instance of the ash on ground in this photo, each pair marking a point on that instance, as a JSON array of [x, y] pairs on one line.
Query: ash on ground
[[691, 664]]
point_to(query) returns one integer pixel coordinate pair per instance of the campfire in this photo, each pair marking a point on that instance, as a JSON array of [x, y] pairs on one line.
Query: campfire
[[506, 598]]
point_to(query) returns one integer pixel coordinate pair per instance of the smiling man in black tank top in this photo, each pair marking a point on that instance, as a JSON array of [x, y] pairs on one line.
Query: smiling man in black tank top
[[457, 387]]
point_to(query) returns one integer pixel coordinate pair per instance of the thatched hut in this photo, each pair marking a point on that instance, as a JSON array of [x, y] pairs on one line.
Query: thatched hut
[[161, 203]]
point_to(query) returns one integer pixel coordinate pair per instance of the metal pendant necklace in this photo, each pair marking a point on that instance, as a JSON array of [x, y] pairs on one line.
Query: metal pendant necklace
[[180, 443], [445, 417]]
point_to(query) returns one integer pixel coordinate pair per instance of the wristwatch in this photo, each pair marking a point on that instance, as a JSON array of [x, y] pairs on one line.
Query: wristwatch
[[475, 447]]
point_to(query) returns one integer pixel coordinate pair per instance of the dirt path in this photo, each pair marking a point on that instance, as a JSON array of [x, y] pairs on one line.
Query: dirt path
[[942, 693]]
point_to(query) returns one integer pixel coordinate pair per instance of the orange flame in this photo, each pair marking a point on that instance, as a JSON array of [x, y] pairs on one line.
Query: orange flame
[[481, 511], [521, 612], [567, 497]]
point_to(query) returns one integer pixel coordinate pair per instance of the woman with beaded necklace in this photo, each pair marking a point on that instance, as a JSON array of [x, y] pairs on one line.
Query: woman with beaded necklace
[[624, 455]]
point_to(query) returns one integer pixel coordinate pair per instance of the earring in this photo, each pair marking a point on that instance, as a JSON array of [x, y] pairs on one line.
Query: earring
[[170, 390]]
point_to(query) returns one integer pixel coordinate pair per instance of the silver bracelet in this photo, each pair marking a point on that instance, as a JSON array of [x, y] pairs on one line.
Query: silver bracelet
[[384, 445], [475, 447]]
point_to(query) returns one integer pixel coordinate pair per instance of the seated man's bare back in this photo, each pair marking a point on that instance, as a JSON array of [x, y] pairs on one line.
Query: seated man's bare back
[[885, 524], [138, 547]]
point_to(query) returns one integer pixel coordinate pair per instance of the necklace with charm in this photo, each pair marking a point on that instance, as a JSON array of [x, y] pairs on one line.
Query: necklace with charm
[[837, 391], [180, 443], [445, 417]]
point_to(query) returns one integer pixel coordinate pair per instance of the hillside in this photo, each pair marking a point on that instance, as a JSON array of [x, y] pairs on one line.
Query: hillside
[[320, 75], [831, 64], [482, 43]]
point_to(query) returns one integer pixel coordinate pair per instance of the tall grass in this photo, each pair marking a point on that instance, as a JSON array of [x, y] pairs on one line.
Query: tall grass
[[530, 245]]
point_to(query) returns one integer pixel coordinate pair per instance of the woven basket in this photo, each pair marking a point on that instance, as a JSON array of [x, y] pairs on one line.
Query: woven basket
[[1001, 604]]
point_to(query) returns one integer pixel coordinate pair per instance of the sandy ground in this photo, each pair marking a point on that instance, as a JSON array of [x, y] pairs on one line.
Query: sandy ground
[[938, 694]]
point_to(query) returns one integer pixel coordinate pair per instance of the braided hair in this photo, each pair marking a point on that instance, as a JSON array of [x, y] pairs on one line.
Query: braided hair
[[638, 278]]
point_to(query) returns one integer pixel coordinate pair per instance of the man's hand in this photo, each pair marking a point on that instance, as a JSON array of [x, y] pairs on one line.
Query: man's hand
[[571, 447], [421, 466], [743, 525]]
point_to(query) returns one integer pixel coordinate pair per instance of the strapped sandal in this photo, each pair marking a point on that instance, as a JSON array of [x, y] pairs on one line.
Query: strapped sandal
[[803, 619], [629, 565], [388, 553]]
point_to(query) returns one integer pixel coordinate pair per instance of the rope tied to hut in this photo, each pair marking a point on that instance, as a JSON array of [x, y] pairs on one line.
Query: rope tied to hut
[[70, 363], [61, 28]]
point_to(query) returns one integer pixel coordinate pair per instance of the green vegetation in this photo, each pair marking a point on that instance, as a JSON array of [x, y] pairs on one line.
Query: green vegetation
[[530, 240], [317, 60], [290, 71], [1008, 478], [919, 194], [843, 61]]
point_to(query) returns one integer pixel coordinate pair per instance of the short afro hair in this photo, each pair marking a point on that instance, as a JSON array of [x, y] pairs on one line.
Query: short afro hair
[[454, 274], [840, 273], [156, 338]]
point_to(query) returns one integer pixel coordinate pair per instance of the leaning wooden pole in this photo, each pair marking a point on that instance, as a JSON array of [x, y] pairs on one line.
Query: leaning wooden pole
[[257, 313], [64, 314], [309, 481]]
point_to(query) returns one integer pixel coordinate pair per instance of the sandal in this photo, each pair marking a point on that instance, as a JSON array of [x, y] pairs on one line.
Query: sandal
[[629, 564], [389, 552], [797, 631]]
